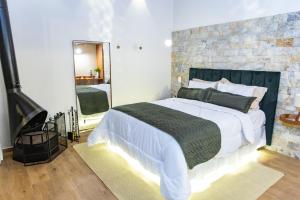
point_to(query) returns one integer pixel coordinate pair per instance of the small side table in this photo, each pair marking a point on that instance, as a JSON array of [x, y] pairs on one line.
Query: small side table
[[289, 120]]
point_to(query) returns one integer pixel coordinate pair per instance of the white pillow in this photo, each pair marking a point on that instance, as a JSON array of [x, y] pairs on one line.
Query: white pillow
[[203, 81], [225, 80], [243, 90], [259, 92], [202, 85]]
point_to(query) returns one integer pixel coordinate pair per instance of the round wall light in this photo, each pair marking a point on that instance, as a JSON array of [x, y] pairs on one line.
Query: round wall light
[[168, 43]]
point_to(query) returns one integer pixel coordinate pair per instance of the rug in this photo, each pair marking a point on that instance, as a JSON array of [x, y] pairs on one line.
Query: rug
[[250, 182]]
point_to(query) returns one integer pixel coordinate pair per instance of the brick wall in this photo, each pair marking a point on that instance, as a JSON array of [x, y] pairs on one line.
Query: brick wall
[[269, 43]]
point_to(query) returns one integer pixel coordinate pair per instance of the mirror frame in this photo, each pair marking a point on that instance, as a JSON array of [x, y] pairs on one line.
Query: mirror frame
[[74, 43]]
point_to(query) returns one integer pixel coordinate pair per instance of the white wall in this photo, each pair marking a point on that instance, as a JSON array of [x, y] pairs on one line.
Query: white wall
[[4, 124], [1, 154], [43, 32], [194, 13], [86, 60], [106, 62]]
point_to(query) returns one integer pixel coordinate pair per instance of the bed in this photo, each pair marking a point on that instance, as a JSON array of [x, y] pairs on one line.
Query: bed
[[158, 152]]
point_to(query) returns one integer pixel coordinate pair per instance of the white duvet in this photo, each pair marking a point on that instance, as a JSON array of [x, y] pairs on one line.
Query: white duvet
[[159, 152]]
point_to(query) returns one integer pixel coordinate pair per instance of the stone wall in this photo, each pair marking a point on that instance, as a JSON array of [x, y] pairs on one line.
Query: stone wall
[[269, 43]]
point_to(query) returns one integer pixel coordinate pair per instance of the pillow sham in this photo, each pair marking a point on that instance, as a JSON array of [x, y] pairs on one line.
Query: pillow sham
[[229, 100], [258, 92], [193, 93], [223, 80], [243, 90], [203, 81], [202, 85]]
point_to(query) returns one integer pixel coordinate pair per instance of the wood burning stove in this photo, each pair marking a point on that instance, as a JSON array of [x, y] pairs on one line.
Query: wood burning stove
[[42, 146], [24, 114], [33, 139]]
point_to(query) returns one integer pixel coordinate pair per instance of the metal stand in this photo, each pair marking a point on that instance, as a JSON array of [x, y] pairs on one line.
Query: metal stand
[[73, 135]]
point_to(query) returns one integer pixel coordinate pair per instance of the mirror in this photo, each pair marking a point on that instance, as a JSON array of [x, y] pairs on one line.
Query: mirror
[[92, 71]]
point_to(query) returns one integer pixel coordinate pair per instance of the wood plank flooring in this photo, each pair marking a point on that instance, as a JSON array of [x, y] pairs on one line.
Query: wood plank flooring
[[68, 178]]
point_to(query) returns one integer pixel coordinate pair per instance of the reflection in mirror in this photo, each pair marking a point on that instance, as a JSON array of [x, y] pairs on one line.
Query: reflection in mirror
[[92, 80]]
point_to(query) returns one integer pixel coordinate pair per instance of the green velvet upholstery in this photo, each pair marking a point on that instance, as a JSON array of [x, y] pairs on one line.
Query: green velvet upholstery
[[229, 100], [193, 93], [266, 79]]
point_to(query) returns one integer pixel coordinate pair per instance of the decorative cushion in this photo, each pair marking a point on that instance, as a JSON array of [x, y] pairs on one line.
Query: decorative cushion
[[259, 92], [234, 101], [193, 93]]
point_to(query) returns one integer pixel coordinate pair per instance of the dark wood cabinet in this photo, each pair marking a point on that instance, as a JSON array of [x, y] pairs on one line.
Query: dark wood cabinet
[[88, 80]]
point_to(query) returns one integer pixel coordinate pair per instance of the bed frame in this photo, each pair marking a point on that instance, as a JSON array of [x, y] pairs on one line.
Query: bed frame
[[268, 79]]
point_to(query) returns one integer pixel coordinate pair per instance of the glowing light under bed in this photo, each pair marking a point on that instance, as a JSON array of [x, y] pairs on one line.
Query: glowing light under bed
[[197, 185], [136, 165]]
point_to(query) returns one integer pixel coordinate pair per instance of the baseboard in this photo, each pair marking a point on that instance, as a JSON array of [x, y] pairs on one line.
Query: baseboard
[[7, 149], [1, 156], [3, 151]]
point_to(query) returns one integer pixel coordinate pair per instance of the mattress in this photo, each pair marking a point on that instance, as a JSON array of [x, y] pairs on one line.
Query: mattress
[[160, 154]]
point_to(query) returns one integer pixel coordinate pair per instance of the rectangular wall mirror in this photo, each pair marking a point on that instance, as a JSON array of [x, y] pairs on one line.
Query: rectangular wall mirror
[[92, 69]]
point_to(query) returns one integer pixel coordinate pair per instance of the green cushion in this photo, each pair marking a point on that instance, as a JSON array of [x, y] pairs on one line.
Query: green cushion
[[234, 101], [193, 93]]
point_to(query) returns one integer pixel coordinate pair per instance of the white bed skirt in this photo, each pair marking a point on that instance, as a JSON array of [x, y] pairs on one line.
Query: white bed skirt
[[161, 155], [203, 174], [206, 173]]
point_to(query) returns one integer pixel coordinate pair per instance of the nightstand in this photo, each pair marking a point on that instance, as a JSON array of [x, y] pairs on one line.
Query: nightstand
[[289, 120]]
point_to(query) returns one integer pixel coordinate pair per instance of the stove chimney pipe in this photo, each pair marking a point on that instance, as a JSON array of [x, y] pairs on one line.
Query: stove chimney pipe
[[24, 114]]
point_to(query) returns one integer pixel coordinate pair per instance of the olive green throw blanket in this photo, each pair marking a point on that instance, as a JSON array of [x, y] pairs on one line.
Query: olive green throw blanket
[[92, 100], [199, 139]]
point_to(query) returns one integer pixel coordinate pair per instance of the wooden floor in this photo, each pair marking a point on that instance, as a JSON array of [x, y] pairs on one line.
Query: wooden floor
[[68, 177]]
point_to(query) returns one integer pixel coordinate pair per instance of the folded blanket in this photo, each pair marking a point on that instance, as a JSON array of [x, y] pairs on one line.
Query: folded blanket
[[92, 100], [199, 139]]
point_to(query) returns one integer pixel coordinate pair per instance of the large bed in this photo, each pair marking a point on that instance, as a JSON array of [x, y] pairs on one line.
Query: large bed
[[161, 155]]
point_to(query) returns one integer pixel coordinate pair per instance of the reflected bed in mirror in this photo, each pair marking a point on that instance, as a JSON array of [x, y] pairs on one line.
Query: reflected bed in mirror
[[92, 71]]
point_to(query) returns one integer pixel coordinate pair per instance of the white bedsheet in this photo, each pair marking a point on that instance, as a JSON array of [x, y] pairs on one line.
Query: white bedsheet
[[258, 119], [159, 153]]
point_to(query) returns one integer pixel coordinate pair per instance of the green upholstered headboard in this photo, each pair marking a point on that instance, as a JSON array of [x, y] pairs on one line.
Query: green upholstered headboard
[[268, 79]]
